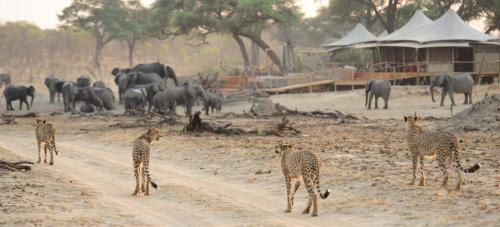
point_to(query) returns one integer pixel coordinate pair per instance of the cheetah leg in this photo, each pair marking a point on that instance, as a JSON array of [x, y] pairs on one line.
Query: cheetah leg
[[444, 170], [143, 186], [459, 174], [312, 197], [136, 173], [39, 153], [45, 150], [295, 188], [51, 155], [414, 161], [309, 202], [146, 166], [422, 174], [288, 182]]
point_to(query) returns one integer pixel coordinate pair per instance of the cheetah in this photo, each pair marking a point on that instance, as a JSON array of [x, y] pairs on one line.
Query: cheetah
[[442, 143], [45, 133], [141, 154], [301, 164]]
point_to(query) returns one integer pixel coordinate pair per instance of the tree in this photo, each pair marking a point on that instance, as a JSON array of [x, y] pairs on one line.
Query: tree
[[134, 26], [101, 18], [238, 18], [492, 15]]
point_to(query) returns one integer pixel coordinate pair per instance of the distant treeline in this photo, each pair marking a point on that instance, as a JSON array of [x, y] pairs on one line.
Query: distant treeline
[[29, 53]]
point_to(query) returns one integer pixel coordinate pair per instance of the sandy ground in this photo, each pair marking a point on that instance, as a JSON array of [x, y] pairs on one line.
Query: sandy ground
[[213, 180]]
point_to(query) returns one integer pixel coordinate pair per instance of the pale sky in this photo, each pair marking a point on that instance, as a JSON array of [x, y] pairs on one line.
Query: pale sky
[[44, 12]]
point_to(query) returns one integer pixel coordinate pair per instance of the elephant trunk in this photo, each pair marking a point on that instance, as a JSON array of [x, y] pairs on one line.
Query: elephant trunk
[[432, 93], [174, 77], [32, 98], [367, 90], [366, 98]]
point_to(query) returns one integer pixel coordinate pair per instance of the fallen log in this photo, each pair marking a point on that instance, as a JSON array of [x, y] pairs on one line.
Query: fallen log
[[8, 120], [196, 124], [15, 166], [26, 115], [317, 113]]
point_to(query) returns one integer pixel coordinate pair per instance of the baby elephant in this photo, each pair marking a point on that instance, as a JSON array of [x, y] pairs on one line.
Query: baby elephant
[[213, 101], [13, 92], [134, 100], [377, 88]]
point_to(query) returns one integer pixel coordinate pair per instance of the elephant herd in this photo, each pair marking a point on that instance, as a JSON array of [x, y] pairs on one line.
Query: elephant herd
[[147, 84], [144, 84], [461, 83]]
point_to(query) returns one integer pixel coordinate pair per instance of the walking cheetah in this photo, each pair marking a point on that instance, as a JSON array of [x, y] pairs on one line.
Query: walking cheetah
[[296, 165], [45, 133], [141, 155], [442, 143]]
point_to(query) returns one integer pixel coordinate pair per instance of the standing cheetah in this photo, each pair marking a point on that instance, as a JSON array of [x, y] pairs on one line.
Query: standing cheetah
[[301, 164], [141, 155], [442, 143], [45, 133]]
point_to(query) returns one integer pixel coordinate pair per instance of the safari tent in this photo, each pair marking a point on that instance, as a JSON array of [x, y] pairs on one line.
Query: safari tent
[[424, 47]]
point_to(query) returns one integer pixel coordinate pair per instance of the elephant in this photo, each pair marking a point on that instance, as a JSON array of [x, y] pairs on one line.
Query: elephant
[[151, 90], [213, 101], [99, 84], [91, 97], [87, 108], [134, 100], [164, 71], [54, 85], [377, 88], [83, 81], [71, 94], [13, 92], [125, 79], [182, 95], [99, 97], [4, 79], [107, 96], [462, 83]]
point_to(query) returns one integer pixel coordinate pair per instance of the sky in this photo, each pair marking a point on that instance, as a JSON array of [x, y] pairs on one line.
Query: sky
[[44, 12]]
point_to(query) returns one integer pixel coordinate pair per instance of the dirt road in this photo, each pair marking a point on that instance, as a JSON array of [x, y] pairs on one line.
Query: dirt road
[[185, 197]]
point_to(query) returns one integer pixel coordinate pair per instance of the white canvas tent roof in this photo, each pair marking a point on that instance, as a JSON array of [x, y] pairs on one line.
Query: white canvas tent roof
[[449, 27], [416, 21], [383, 34], [358, 34]]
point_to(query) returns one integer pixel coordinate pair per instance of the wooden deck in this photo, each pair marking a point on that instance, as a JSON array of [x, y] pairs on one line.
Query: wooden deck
[[321, 82]]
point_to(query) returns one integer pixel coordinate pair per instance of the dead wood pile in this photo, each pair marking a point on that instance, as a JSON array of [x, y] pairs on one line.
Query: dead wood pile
[[196, 124], [15, 166]]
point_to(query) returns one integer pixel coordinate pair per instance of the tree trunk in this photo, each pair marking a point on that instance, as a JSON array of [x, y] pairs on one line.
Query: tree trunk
[[391, 15], [264, 46], [99, 45], [244, 53], [131, 48], [254, 59], [96, 61]]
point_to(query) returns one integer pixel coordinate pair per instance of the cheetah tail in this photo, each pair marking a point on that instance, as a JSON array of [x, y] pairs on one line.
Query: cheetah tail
[[322, 195], [53, 145], [153, 184], [472, 169]]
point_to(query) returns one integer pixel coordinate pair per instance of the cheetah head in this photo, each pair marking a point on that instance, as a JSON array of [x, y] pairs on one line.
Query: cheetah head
[[154, 133], [411, 119], [282, 147], [39, 121]]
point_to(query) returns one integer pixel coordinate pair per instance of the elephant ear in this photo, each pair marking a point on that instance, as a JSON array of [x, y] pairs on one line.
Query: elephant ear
[[115, 71], [442, 79], [155, 87]]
